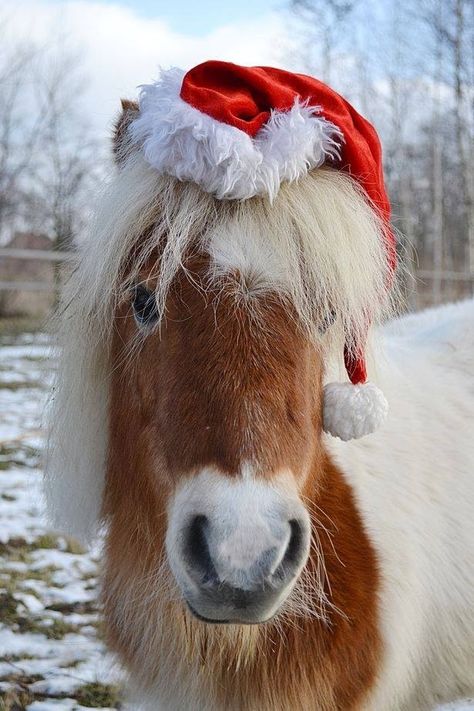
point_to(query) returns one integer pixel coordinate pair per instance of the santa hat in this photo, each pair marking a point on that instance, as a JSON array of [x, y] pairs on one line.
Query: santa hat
[[239, 132]]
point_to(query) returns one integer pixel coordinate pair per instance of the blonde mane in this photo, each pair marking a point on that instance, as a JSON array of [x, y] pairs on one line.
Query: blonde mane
[[319, 246]]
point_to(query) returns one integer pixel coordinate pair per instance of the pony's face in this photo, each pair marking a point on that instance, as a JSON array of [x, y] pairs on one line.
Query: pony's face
[[214, 422], [215, 427]]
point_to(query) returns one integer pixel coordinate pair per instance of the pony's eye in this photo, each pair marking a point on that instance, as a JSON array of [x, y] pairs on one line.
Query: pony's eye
[[144, 306]]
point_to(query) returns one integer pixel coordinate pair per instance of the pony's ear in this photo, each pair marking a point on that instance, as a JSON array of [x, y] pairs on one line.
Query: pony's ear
[[121, 144]]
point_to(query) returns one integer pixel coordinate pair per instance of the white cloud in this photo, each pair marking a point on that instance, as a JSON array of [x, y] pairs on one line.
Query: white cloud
[[121, 50]]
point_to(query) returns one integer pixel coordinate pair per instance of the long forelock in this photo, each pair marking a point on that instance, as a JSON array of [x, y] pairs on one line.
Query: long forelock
[[319, 246]]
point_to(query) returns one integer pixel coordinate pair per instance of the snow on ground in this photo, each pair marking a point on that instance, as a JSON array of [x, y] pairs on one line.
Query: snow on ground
[[51, 654]]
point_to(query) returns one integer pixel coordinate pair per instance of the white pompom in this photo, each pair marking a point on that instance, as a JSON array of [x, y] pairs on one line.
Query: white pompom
[[353, 411]]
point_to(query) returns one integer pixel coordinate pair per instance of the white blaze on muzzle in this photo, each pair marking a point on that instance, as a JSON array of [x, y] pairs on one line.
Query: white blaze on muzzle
[[235, 539]]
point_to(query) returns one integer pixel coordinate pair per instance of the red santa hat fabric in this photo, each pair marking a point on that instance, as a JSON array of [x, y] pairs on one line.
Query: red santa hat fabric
[[247, 97]]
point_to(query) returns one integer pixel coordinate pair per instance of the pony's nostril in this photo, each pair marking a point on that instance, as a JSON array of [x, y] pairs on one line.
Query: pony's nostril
[[197, 550], [225, 568], [294, 550]]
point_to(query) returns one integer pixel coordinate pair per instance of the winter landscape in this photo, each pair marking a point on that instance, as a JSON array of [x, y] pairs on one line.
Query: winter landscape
[[51, 656], [64, 65]]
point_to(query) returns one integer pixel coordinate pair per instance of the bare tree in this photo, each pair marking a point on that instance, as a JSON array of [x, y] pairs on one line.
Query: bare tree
[[49, 161], [409, 66], [437, 176], [451, 27], [66, 169], [325, 22], [459, 41], [20, 127]]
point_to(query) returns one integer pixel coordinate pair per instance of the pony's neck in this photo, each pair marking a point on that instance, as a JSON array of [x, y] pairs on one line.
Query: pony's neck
[[296, 662]]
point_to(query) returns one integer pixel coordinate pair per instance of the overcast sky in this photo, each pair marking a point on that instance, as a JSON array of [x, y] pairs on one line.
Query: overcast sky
[[123, 42], [198, 18]]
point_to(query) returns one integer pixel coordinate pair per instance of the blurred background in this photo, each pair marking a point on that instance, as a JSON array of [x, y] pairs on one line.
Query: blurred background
[[408, 65]]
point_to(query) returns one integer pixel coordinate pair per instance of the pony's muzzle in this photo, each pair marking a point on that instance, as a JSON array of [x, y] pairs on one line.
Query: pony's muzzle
[[228, 589], [238, 550]]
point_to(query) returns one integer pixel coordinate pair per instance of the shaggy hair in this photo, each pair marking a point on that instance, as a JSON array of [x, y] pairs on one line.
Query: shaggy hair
[[319, 246]]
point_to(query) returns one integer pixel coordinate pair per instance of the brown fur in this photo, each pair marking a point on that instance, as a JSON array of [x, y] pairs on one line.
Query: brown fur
[[231, 377], [120, 142]]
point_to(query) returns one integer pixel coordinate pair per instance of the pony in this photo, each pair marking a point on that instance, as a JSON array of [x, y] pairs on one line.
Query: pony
[[252, 562]]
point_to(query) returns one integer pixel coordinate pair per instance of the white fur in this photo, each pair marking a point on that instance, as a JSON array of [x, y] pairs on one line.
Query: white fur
[[255, 259], [353, 411], [181, 141], [414, 483]]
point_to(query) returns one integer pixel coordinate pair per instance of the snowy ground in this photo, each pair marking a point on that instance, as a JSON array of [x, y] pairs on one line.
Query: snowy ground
[[51, 656]]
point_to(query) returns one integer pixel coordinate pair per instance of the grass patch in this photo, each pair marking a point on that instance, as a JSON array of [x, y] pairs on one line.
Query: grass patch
[[12, 658], [30, 591], [13, 614], [10, 456], [74, 547], [15, 700], [58, 629], [19, 325], [6, 464], [19, 384], [19, 622], [96, 695], [19, 549], [16, 578], [16, 549], [72, 664], [46, 541], [20, 678], [68, 608], [61, 543], [8, 608]]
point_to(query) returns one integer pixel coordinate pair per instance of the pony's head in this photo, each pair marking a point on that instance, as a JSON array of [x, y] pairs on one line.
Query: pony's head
[[196, 339], [221, 392]]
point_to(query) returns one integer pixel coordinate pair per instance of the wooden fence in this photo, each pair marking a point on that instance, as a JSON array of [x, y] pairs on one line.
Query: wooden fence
[[427, 286], [39, 255]]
